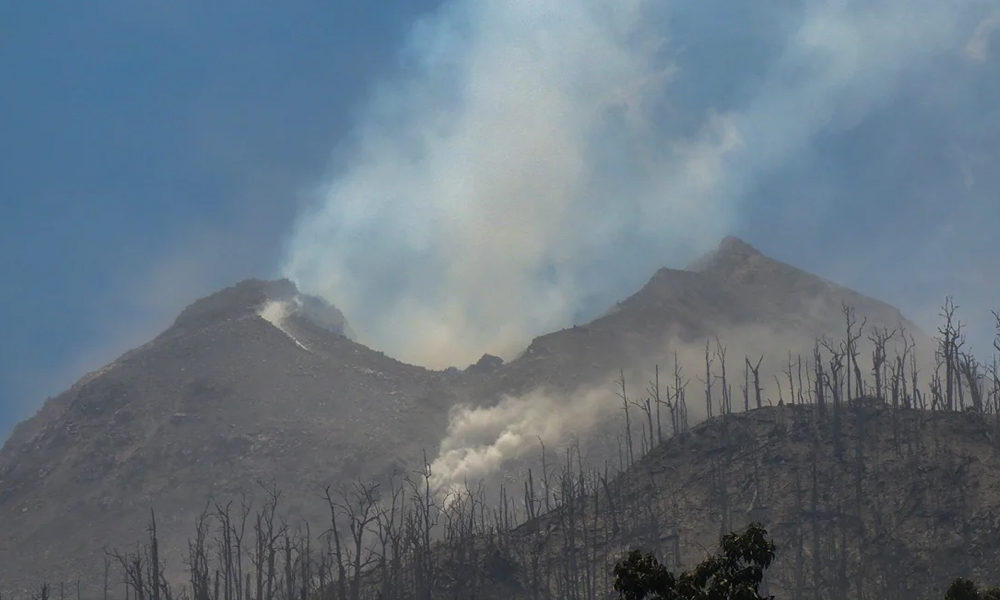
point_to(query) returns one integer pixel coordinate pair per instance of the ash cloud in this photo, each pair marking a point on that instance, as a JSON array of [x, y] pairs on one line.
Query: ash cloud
[[531, 156]]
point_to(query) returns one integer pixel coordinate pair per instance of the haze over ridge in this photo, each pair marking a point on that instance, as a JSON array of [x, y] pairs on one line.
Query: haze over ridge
[[528, 142], [856, 140]]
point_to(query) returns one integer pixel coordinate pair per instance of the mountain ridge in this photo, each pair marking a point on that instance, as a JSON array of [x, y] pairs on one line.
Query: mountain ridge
[[224, 397]]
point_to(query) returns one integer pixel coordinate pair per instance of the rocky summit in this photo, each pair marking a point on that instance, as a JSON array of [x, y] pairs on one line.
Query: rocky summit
[[221, 399], [260, 385]]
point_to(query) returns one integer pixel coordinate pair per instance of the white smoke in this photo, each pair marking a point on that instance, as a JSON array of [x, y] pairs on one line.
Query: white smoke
[[480, 440], [481, 184], [522, 163], [276, 312]]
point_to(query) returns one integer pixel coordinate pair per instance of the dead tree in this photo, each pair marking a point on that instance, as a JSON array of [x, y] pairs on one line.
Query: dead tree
[[745, 386], [850, 352], [359, 508], [969, 368], [919, 400], [680, 387], [623, 396], [819, 382], [42, 594], [879, 338], [727, 392], [654, 392], [133, 569], [755, 371], [267, 533], [646, 406], [995, 382], [949, 345], [107, 573], [545, 477], [305, 563], [834, 381], [426, 515], [791, 380], [389, 522], [708, 380], [198, 566], [155, 566], [288, 549], [531, 503]]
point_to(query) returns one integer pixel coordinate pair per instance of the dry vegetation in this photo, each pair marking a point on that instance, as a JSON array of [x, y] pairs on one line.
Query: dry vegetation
[[876, 480]]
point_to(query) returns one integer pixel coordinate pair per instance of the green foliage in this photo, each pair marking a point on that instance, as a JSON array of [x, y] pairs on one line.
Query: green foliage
[[965, 589], [735, 573]]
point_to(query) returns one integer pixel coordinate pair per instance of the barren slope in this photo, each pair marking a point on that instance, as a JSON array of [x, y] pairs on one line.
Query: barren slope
[[736, 293], [225, 397], [218, 400], [910, 503]]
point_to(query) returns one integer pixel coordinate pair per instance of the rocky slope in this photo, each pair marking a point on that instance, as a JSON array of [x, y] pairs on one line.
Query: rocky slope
[[896, 505], [219, 400], [258, 383], [752, 302]]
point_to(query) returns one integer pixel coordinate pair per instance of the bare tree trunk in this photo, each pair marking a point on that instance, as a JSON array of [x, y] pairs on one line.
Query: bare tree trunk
[[654, 392], [628, 422], [107, 569], [755, 371], [708, 381], [154, 559], [727, 403], [948, 347], [338, 550], [850, 351]]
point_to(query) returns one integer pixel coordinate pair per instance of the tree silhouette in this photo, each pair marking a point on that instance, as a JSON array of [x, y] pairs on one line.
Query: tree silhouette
[[735, 573], [965, 589]]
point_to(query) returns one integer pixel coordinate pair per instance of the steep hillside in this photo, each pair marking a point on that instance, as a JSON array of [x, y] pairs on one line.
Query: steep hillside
[[219, 400], [755, 303], [747, 305], [258, 383], [894, 506]]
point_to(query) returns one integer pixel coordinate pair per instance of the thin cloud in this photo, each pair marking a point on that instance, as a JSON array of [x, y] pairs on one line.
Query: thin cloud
[[978, 47]]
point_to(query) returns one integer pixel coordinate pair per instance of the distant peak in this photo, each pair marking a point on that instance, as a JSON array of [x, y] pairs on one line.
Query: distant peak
[[731, 250], [732, 245], [251, 296], [235, 301], [486, 364]]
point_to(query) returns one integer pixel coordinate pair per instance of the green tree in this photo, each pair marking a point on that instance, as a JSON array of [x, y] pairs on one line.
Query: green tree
[[965, 589], [735, 573]]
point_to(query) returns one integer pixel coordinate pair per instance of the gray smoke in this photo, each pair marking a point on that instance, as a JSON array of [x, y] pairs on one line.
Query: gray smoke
[[528, 154]]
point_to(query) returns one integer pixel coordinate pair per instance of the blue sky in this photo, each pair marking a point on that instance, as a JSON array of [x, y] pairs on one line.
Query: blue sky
[[152, 152]]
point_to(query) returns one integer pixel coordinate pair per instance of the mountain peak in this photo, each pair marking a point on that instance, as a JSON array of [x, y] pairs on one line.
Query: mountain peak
[[222, 400], [734, 246], [250, 297], [732, 251], [246, 297]]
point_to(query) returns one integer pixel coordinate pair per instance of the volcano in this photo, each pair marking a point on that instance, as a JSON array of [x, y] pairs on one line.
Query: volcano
[[259, 385]]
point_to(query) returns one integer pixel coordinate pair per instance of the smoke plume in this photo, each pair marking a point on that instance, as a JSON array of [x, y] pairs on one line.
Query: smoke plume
[[532, 157], [480, 441]]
